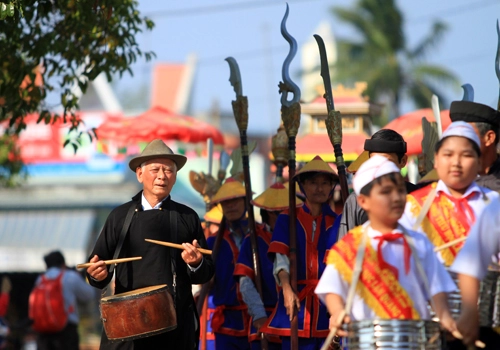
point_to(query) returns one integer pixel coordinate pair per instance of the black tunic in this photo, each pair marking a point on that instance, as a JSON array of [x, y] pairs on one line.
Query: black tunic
[[155, 267], [492, 179]]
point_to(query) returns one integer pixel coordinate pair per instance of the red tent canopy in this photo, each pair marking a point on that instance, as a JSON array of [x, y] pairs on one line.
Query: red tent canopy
[[158, 123], [410, 127]]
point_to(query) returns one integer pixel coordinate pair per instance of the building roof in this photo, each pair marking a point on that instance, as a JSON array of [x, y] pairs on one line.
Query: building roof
[[312, 145]]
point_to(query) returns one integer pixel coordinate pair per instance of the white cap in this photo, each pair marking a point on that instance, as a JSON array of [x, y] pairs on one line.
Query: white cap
[[462, 129], [374, 167]]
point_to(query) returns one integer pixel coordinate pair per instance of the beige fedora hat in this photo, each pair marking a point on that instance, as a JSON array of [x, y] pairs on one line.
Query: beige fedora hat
[[157, 149]]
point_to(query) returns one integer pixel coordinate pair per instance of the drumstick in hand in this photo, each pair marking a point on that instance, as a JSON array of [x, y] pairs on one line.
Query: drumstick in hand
[[450, 244], [109, 262], [479, 344], [178, 246], [333, 331]]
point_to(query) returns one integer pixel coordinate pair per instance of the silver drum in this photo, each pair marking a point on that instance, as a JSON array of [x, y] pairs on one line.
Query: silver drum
[[489, 300], [392, 334], [454, 298]]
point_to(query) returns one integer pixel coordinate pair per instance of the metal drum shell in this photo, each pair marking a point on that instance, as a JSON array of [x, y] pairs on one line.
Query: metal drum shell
[[488, 303], [489, 300], [138, 314], [393, 334]]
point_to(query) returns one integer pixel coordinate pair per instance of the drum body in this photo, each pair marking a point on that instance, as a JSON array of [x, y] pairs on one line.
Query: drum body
[[139, 313], [489, 300], [393, 334], [454, 298]]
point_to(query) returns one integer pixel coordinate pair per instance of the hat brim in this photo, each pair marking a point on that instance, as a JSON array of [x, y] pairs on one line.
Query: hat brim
[[354, 166], [430, 176], [222, 199], [136, 162]]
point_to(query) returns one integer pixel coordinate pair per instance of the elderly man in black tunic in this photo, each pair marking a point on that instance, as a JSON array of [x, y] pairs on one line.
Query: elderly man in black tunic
[[155, 215]]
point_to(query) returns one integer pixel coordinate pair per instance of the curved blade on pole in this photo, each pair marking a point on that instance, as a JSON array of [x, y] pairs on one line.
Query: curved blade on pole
[[240, 110], [468, 93], [325, 73], [288, 85], [290, 114], [437, 114], [334, 119], [235, 76]]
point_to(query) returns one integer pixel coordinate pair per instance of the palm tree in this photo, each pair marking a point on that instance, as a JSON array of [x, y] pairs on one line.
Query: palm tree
[[381, 57]]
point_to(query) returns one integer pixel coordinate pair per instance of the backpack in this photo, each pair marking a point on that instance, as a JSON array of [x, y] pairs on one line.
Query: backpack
[[46, 306]]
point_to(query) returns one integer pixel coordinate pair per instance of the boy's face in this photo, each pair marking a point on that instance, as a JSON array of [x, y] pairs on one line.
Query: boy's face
[[318, 188], [456, 163], [386, 201]]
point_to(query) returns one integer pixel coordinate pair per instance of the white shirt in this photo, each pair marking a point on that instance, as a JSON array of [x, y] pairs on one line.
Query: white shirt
[[146, 206], [393, 253], [482, 244], [480, 198], [478, 201]]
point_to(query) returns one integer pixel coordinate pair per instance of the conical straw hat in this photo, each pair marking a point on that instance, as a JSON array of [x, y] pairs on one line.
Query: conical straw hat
[[214, 215], [275, 198], [229, 190], [363, 157], [317, 165]]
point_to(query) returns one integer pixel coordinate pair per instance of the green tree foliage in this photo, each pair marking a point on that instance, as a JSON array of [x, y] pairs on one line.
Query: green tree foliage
[[8, 9], [66, 43], [380, 56]]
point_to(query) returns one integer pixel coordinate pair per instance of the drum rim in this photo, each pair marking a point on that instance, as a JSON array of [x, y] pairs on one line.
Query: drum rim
[[389, 322], [142, 335], [137, 294]]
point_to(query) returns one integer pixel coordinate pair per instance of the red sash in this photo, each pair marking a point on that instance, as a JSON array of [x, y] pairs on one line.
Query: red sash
[[379, 288], [442, 224]]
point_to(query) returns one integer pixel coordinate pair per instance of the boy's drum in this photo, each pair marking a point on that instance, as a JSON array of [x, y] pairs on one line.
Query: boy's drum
[[489, 300], [488, 303], [392, 334], [139, 313]]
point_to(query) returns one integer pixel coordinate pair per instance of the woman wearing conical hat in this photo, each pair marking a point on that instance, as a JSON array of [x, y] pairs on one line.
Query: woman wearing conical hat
[[316, 227], [230, 321], [271, 202]]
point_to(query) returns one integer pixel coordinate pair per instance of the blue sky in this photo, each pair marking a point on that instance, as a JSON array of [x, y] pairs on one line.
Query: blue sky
[[249, 31]]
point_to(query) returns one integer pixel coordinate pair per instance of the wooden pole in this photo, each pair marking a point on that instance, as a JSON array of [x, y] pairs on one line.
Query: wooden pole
[[240, 110], [290, 114]]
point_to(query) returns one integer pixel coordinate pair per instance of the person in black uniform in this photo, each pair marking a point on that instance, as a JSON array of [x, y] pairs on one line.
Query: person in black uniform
[[387, 143], [155, 216], [486, 122]]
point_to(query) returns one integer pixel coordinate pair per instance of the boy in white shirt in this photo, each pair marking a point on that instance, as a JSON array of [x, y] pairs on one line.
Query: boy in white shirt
[[389, 285], [471, 265], [456, 198]]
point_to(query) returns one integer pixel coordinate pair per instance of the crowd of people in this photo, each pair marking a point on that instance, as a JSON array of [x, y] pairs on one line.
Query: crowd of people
[[396, 252]]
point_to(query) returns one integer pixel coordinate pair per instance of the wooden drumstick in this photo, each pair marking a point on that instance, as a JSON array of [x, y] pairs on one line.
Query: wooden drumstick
[[178, 246], [333, 331], [450, 244], [109, 262], [479, 344]]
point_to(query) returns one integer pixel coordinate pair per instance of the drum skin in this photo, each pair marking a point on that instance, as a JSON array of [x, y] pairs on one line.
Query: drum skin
[[139, 313]]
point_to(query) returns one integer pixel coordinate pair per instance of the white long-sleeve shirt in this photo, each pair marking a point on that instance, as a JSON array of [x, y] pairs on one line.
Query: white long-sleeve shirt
[[439, 280], [482, 244]]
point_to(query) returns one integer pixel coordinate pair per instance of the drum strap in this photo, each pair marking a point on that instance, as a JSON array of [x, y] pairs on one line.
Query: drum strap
[[173, 232], [123, 234]]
